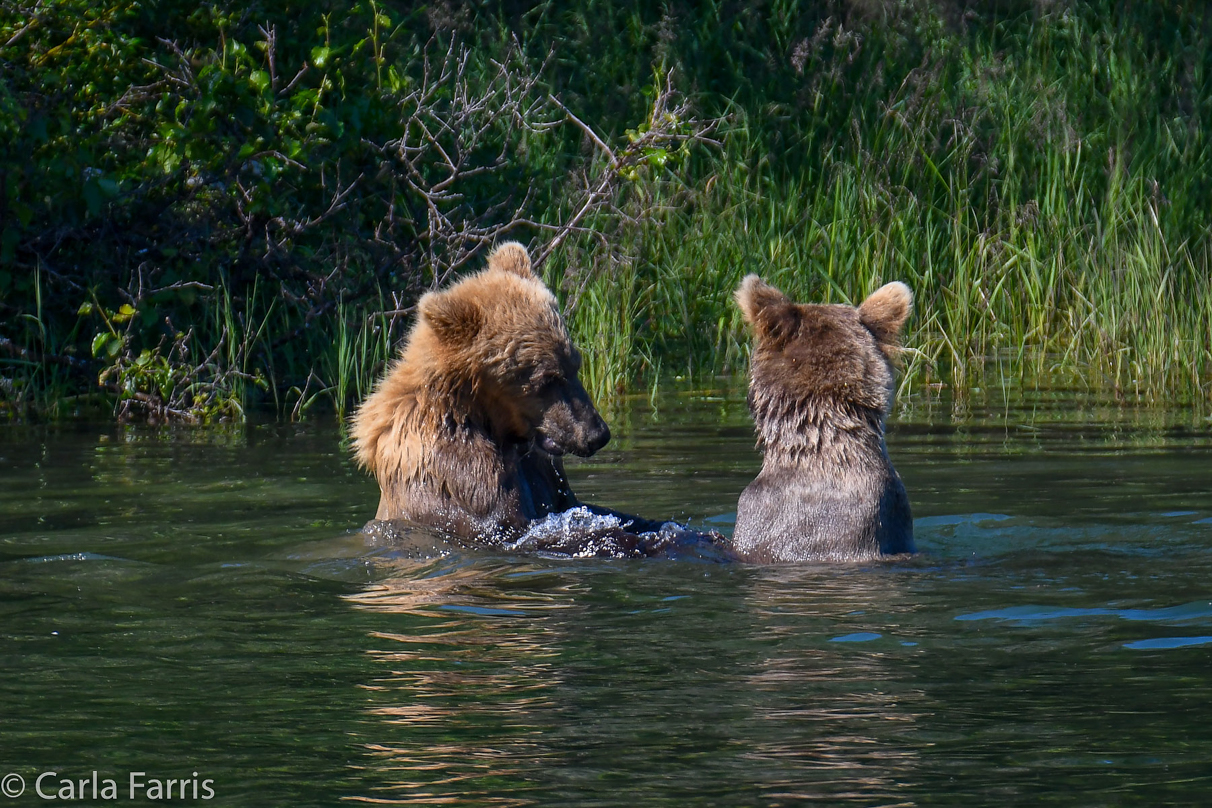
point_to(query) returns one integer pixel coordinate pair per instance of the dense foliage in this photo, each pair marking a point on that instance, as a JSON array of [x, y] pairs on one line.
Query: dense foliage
[[204, 206]]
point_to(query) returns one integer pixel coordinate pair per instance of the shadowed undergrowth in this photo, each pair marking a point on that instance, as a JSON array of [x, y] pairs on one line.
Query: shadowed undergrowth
[[214, 208]]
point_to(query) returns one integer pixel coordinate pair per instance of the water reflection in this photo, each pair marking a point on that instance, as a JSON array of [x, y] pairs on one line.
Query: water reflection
[[468, 670], [838, 717], [503, 683]]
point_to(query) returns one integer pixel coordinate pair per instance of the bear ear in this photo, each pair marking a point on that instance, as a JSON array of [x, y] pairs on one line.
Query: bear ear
[[884, 313], [453, 318], [511, 257], [770, 312]]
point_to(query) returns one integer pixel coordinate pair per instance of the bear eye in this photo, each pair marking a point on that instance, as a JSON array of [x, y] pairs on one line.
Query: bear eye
[[548, 379]]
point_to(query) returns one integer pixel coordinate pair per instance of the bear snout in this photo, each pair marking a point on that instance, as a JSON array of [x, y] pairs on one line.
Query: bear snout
[[589, 430], [572, 424], [582, 434], [598, 438]]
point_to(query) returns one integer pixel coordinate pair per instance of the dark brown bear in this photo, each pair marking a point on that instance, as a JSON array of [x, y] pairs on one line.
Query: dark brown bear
[[820, 389], [466, 430]]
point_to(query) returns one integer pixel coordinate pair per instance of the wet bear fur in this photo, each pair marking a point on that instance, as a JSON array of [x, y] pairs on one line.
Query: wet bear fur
[[465, 431], [820, 390]]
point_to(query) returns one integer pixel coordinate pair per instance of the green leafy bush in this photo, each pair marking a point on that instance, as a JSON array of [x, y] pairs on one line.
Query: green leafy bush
[[206, 206]]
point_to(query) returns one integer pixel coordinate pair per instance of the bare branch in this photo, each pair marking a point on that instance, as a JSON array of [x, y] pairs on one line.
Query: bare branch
[[293, 82], [601, 144]]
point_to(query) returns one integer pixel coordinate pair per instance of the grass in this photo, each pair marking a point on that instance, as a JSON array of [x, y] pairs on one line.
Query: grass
[[1039, 176], [1056, 252], [1089, 287]]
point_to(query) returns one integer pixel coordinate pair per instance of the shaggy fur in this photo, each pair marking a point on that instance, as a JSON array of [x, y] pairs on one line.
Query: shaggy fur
[[466, 429], [820, 389]]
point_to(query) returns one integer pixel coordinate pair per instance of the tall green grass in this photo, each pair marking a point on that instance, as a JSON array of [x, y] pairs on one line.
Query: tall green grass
[[1049, 211]]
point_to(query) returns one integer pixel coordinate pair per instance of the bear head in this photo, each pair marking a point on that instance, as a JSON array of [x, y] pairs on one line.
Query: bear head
[[499, 335], [822, 359]]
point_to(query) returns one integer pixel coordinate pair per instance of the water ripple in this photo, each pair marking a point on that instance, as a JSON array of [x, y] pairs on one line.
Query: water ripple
[[1032, 614]]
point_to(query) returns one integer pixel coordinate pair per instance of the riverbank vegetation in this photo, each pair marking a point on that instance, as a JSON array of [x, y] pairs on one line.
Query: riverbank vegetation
[[210, 207]]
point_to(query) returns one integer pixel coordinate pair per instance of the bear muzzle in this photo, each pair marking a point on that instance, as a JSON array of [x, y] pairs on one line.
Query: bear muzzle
[[571, 423], [581, 442], [599, 437]]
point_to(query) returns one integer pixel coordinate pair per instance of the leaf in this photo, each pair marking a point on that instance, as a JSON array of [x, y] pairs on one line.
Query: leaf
[[260, 80], [319, 56], [124, 313], [394, 80], [100, 341], [657, 157]]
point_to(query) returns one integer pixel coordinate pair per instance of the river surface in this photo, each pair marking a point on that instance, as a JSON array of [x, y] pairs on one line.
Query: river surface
[[196, 604]]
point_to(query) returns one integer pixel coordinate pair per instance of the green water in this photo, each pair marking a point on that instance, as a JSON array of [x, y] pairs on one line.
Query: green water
[[180, 601]]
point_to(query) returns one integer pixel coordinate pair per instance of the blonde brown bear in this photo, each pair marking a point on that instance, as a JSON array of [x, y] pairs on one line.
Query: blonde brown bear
[[465, 431]]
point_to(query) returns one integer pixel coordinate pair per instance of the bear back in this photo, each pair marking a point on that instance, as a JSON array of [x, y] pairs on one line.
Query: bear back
[[821, 386]]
